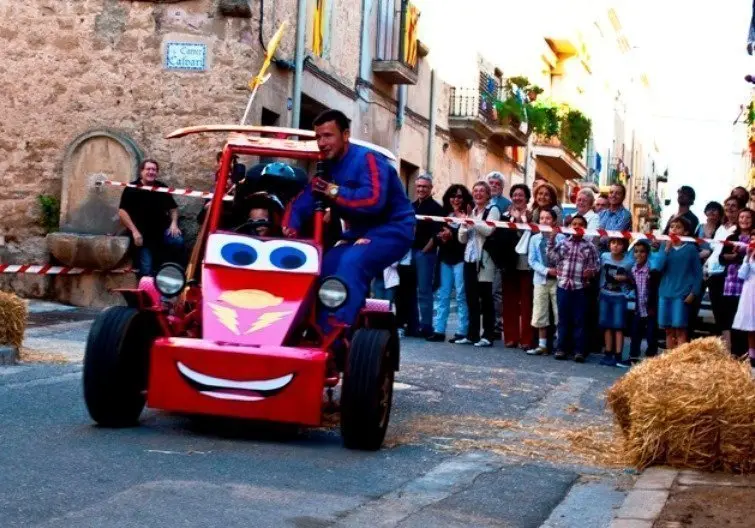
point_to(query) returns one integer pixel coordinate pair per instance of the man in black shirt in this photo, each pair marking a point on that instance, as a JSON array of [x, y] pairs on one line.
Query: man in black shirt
[[151, 218], [685, 199], [424, 255]]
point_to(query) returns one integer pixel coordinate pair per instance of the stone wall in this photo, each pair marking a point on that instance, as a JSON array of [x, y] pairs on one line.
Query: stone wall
[[73, 67]]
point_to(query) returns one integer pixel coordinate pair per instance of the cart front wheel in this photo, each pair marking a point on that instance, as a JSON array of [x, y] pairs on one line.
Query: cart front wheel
[[116, 362], [367, 392]]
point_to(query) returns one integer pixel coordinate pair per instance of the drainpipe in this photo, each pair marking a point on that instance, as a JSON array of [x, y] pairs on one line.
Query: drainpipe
[[364, 49], [301, 27], [431, 132], [401, 107]]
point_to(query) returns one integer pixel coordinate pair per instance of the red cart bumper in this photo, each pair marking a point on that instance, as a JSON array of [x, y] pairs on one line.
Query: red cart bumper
[[277, 384]]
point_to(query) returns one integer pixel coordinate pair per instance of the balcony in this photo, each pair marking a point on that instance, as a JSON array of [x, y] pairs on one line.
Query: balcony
[[397, 51], [556, 159], [473, 116]]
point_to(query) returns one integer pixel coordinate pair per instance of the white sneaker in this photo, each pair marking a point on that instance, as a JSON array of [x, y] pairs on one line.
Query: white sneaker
[[462, 341], [483, 343]]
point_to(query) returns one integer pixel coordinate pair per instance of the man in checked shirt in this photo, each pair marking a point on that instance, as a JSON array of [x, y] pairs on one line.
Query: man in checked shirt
[[576, 262]]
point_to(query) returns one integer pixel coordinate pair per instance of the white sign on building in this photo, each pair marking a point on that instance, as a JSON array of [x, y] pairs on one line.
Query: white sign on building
[[190, 56]]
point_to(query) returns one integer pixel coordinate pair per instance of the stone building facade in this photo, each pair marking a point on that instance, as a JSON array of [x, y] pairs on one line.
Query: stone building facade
[[89, 88]]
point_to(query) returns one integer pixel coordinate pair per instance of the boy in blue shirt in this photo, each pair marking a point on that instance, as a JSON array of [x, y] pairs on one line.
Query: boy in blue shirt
[[681, 280], [615, 273]]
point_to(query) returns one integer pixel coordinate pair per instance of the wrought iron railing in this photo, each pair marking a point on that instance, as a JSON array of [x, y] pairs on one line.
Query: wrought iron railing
[[393, 39]]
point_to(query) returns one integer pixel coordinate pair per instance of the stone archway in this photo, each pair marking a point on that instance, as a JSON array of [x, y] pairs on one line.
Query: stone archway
[[85, 208]]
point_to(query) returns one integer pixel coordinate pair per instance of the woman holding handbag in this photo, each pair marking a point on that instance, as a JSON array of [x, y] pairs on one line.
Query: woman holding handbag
[[479, 268]]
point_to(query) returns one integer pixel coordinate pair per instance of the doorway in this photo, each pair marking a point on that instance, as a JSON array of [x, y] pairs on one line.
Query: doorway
[[408, 173]]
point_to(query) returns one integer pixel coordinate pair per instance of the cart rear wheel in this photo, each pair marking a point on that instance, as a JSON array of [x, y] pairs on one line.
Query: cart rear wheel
[[116, 363], [367, 392]]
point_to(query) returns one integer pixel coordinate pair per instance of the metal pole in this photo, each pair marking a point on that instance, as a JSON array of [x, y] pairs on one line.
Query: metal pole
[[301, 28], [431, 132]]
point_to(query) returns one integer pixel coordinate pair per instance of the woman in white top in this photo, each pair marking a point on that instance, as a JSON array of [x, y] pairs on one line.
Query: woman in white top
[[585, 202], [479, 269], [713, 271]]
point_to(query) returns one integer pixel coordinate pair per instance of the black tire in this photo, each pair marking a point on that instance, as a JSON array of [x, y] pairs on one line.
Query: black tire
[[367, 392], [116, 364]]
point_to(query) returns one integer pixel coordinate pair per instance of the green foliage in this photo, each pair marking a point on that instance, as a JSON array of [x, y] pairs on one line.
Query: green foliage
[[510, 110], [576, 129], [750, 119], [50, 207], [543, 119], [519, 81]]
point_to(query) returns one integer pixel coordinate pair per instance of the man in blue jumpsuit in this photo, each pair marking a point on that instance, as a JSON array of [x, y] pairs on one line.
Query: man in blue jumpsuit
[[366, 192]]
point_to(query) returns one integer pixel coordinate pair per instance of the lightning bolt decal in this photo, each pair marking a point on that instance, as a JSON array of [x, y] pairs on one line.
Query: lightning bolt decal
[[227, 317], [266, 320]]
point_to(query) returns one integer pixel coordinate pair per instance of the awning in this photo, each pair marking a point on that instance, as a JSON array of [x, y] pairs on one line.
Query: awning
[[561, 161]]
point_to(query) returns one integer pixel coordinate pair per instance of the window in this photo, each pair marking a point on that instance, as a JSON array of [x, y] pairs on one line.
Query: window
[[269, 118]]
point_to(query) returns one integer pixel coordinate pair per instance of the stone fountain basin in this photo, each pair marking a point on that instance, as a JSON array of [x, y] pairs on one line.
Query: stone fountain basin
[[99, 252]]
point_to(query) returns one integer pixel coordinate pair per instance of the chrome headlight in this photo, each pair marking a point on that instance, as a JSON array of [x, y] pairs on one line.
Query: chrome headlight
[[170, 279], [333, 293]]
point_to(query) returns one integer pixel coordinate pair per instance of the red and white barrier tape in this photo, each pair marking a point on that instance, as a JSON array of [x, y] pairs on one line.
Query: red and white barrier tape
[[49, 269], [535, 228], [168, 190]]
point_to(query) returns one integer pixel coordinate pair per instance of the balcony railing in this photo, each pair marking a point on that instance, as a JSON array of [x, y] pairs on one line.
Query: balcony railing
[[472, 115], [471, 102], [397, 53]]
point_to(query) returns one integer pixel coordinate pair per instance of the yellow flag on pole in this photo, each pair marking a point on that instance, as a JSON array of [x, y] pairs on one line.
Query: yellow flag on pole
[[261, 78], [411, 45], [317, 33]]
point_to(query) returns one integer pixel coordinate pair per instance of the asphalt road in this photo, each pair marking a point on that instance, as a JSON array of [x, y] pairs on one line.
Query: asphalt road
[[462, 450]]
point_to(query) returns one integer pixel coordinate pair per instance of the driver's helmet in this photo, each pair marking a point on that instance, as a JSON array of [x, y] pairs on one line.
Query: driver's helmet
[[279, 170]]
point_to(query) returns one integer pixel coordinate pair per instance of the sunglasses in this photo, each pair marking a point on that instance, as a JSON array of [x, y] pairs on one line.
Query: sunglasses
[[459, 196]]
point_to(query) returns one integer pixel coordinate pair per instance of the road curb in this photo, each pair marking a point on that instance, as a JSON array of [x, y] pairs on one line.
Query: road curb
[[8, 355], [645, 501]]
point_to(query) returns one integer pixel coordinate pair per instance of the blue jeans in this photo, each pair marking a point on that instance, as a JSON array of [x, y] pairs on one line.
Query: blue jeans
[[451, 277], [380, 291], [424, 264], [146, 255], [571, 320], [612, 311], [644, 327]]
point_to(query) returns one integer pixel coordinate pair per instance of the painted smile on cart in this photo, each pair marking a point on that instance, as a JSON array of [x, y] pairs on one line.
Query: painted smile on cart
[[225, 389]]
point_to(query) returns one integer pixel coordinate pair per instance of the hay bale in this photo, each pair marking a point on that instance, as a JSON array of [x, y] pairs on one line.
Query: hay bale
[[13, 314], [691, 407]]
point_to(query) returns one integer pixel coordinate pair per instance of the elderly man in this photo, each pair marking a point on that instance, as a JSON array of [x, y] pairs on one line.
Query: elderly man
[[424, 254], [497, 185]]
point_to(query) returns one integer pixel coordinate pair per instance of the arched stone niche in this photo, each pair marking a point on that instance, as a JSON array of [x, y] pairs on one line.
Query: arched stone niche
[[95, 155], [89, 213]]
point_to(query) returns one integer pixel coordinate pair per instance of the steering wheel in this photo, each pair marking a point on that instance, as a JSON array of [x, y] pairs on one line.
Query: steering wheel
[[250, 226]]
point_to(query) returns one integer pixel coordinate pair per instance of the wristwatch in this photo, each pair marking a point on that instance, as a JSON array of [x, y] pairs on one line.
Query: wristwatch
[[333, 191]]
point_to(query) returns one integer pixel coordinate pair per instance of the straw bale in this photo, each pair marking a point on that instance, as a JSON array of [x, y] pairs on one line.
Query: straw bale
[[691, 407], [12, 319]]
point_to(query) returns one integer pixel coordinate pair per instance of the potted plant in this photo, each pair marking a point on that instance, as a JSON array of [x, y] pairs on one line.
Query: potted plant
[[533, 92], [575, 130], [511, 111], [543, 120]]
